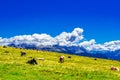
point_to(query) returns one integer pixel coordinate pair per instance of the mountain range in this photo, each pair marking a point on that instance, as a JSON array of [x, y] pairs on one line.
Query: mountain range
[[77, 50]]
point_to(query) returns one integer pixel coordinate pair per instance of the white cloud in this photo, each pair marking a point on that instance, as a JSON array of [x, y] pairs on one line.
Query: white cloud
[[112, 45], [107, 46], [87, 43], [64, 39], [70, 38]]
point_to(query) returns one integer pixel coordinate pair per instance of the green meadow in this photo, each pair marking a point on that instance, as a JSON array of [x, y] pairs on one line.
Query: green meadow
[[13, 66]]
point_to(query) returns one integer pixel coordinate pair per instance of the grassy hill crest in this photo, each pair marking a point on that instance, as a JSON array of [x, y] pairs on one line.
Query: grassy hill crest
[[13, 66]]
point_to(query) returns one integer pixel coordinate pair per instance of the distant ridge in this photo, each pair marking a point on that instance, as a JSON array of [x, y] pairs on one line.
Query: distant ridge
[[77, 50]]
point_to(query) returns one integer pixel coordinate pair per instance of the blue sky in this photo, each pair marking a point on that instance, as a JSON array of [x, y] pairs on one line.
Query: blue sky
[[100, 19]]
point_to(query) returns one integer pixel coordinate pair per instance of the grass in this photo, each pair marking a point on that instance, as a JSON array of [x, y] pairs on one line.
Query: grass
[[14, 67]]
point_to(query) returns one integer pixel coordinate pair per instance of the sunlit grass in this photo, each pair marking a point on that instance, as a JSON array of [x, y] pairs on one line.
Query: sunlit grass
[[13, 66]]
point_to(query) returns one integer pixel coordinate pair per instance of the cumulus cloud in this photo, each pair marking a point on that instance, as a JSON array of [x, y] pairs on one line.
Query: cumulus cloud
[[107, 46], [73, 38], [44, 39], [87, 43], [112, 45], [70, 38]]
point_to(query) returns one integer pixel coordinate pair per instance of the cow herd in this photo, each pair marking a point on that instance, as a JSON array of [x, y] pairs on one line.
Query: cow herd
[[33, 61], [61, 60]]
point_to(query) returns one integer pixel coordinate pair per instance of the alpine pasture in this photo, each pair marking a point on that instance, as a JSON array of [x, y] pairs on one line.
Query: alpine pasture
[[13, 66]]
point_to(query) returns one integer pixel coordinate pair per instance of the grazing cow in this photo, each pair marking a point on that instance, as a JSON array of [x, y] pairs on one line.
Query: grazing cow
[[95, 59], [114, 68], [23, 53], [21, 48], [32, 61], [61, 59], [69, 57], [4, 46]]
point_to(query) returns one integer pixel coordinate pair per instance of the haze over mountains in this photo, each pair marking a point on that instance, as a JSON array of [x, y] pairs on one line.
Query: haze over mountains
[[67, 42]]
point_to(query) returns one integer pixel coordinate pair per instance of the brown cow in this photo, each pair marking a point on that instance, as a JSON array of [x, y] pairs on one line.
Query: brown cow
[[114, 68], [69, 57], [61, 59], [32, 61], [23, 53], [95, 59]]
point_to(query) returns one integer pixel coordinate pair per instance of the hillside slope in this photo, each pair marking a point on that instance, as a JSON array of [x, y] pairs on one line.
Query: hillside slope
[[13, 66]]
